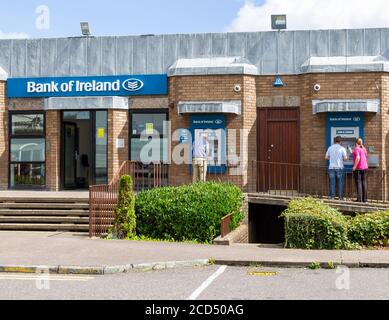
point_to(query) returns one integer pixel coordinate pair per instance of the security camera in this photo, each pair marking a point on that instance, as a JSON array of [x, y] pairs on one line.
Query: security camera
[[237, 88], [317, 87]]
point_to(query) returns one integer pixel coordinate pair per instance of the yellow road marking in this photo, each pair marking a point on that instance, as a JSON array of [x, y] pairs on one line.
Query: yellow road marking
[[262, 274], [31, 277]]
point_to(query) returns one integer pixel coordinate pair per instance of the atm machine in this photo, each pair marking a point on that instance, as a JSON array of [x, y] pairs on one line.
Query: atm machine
[[349, 126], [215, 128]]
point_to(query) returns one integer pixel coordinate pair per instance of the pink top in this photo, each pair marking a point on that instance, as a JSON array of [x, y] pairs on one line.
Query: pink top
[[362, 153]]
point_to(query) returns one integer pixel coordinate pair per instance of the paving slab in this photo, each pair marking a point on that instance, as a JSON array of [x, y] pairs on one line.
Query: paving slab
[[72, 251]]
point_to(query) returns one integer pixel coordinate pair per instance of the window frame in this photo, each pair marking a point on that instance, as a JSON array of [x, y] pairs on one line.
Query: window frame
[[138, 136], [12, 136]]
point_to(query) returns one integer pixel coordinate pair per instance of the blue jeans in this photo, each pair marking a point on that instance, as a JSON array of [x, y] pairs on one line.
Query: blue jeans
[[336, 174]]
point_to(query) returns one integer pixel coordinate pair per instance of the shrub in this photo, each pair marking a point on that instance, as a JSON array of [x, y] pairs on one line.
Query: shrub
[[125, 219], [370, 229], [311, 224], [190, 212]]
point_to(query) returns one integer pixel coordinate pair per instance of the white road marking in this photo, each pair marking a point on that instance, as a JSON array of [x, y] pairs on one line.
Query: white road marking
[[207, 283], [33, 277]]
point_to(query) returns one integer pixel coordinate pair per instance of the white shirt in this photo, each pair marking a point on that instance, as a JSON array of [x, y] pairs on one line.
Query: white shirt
[[336, 154], [201, 149]]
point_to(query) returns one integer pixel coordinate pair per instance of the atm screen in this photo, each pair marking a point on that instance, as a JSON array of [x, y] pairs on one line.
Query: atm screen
[[349, 136]]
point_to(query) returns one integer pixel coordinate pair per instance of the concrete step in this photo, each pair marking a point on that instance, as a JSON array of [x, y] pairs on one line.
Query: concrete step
[[66, 206], [30, 219], [20, 199], [59, 213], [43, 227]]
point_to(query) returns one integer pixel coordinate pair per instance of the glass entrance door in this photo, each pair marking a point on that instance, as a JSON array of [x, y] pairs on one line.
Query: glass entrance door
[[84, 149], [70, 155]]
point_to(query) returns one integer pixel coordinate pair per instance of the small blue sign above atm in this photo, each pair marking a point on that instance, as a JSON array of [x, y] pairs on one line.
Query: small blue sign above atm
[[138, 85], [211, 121]]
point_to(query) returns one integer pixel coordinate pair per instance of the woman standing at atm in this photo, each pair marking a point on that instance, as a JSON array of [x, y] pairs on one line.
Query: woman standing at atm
[[360, 170]]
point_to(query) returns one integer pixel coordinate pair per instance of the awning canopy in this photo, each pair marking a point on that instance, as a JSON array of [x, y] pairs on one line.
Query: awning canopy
[[234, 107], [346, 64], [212, 66], [369, 105], [86, 103]]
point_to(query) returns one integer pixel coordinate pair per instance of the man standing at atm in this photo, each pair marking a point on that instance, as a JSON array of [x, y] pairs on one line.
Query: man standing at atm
[[336, 155], [200, 158]]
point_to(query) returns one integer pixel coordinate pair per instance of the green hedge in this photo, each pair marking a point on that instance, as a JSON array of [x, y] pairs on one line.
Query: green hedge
[[187, 213], [311, 224], [370, 229]]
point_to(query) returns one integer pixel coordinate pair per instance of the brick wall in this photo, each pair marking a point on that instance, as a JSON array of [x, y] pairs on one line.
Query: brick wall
[[298, 91], [385, 129], [53, 152], [207, 88], [117, 129]]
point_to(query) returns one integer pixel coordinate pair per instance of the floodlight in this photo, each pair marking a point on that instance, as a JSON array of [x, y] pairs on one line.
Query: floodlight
[[85, 29], [278, 22]]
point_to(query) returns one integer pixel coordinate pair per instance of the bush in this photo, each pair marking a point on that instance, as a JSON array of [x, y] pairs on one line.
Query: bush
[[187, 213], [125, 219], [311, 224], [370, 229]]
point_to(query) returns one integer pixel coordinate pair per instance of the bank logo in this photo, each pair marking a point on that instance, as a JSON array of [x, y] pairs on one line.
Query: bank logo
[[133, 85], [219, 121], [357, 119]]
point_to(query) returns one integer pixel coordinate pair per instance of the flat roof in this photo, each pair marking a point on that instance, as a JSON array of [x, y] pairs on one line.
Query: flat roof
[[270, 52]]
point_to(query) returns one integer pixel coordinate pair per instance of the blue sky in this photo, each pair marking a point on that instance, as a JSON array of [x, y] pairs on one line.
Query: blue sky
[[134, 17], [120, 17]]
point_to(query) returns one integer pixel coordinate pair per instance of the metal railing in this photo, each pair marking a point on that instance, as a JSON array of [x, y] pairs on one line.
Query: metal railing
[[295, 180], [103, 199]]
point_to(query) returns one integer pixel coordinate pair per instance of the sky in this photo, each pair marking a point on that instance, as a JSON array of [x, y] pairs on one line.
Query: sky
[[55, 18]]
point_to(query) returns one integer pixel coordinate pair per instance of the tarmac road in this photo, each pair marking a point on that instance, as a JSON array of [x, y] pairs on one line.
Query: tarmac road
[[203, 283]]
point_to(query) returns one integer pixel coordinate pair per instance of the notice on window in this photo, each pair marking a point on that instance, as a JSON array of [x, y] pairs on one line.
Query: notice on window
[[149, 128], [101, 133]]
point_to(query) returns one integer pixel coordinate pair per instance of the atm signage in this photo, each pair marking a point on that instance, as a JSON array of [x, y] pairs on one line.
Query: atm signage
[[345, 132], [87, 86]]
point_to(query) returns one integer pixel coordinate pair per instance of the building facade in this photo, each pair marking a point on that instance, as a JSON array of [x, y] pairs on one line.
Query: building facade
[[73, 109]]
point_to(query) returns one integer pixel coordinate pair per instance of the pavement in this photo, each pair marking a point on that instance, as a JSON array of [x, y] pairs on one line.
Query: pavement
[[66, 253]]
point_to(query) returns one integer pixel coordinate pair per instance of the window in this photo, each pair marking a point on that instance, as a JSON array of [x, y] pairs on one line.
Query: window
[[27, 150], [101, 147], [149, 128]]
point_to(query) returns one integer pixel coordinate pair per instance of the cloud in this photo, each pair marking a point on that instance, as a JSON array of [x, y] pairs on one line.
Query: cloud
[[313, 14], [13, 35]]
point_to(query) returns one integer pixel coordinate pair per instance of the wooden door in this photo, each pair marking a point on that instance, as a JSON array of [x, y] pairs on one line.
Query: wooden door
[[278, 149]]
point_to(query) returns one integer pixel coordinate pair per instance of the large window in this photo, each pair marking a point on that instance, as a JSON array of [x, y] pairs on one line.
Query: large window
[[27, 151], [149, 128]]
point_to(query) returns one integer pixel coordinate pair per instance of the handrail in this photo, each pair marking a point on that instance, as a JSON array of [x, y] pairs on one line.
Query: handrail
[[225, 225]]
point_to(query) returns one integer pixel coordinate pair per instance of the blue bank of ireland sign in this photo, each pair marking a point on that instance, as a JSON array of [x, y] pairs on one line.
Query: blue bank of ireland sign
[[87, 86]]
